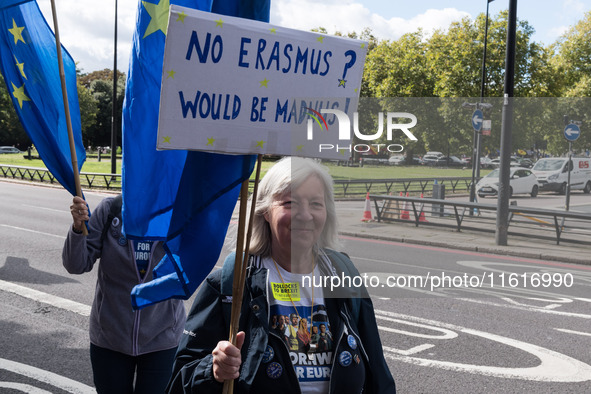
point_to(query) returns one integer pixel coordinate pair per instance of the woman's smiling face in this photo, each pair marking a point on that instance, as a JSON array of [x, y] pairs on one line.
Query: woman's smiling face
[[297, 217]]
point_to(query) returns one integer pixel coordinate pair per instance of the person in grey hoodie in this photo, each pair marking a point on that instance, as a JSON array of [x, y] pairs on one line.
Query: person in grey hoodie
[[130, 351]]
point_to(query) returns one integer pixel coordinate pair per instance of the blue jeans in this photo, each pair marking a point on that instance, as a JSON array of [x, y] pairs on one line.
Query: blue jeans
[[118, 373]]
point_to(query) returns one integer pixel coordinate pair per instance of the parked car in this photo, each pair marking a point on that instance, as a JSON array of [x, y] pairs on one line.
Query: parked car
[[485, 162], [521, 180], [9, 149], [397, 160], [430, 160], [451, 161], [454, 161], [496, 163], [525, 162]]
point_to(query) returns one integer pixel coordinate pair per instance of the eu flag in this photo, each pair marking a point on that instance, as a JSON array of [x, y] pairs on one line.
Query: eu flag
[[183, 198], [28, 61]]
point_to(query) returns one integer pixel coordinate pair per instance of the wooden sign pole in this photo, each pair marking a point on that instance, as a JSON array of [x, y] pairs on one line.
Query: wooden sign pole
[[241, 261]]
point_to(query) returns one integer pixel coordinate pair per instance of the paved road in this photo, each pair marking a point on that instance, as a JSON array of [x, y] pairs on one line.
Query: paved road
[[455, 335], [454, 326]]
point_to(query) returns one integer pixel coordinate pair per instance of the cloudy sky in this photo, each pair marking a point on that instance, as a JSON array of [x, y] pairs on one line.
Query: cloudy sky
[[86, 27]]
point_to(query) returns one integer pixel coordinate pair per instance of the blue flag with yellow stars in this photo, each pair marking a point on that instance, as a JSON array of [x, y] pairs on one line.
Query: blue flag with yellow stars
[[28, 61], [183, 198]]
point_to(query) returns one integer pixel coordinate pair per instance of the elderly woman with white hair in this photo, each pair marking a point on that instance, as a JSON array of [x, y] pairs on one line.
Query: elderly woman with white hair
[[292, 256]]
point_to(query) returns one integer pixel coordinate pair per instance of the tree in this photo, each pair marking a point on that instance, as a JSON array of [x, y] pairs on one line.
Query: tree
[[573, 59], [572, 70], [88, 111], [11, 130], [100, 85]]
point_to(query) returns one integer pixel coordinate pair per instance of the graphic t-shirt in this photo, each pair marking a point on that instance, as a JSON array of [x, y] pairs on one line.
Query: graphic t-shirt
[[142, 250], [306, 331]]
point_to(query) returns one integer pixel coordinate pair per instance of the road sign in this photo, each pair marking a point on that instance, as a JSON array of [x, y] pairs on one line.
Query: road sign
[[572, 132], [486, 127], [477, 118]]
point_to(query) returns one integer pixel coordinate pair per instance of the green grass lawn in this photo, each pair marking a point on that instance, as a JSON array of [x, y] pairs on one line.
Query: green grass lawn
[[90, 165], [338, 172]]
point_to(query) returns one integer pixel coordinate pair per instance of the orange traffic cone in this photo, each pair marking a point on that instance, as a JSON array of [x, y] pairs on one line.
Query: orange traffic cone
[[422, 217], [367, 213], [404, 215]]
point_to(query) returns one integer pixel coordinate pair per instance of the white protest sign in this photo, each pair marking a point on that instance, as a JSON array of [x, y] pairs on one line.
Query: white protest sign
[[232, 85]]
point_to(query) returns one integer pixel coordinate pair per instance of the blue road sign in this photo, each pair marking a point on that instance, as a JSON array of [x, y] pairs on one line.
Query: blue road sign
[[477, 118], [572, 132]]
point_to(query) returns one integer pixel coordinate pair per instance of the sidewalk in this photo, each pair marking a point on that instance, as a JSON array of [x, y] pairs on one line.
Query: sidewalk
[[350, 224]]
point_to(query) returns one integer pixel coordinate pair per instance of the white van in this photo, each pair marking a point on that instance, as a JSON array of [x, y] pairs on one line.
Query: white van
[[552, 174]]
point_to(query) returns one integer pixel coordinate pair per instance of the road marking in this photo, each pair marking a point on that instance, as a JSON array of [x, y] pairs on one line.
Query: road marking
[[587, 334], [39, 296], [528, 308], [411, 351], [61, 382], [553, 366], [25, 388], [465, 253], [32, 231], [44, 208], [446, 334]]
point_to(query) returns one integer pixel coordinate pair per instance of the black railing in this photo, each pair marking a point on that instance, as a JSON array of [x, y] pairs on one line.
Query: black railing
[[87, 179], [564, 226], [344, 188], [360, 187]]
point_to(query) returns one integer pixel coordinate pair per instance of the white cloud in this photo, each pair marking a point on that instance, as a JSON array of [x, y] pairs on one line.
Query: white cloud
[[87, 31], [86, 28], [352, 16], [553, 34], [574, 7]]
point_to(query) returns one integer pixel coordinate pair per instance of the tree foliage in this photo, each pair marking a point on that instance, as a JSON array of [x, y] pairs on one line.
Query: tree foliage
[[448, 65]]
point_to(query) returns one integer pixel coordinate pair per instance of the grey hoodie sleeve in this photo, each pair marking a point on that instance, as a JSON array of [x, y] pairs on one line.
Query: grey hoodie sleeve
[[81, 252]]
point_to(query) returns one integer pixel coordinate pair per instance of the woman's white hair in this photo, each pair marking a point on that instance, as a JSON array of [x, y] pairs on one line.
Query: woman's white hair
[[288, 173]]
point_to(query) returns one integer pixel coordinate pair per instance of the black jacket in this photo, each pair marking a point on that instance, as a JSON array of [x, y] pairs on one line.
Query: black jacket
[[207, 325]]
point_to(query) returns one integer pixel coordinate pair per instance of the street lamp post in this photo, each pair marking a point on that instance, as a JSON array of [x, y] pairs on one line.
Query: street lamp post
[[502, 229], [114, 104], [482, 89], [477, 133]]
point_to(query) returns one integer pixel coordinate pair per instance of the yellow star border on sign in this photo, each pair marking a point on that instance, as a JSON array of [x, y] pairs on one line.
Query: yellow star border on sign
[[210, 141], [264, 83], [19, 94], [170, 74], [17, 33], [181, 17], [260, 144], [219, 23], [166, 139], [159, 16]]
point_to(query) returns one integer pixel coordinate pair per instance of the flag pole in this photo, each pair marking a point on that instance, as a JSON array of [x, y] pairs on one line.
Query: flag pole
[[67, 107], [241, 263]]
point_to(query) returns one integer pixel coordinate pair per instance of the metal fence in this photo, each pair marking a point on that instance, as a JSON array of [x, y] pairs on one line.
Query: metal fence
[[88, 180], [565, 226], [360, 187], [344, 188]]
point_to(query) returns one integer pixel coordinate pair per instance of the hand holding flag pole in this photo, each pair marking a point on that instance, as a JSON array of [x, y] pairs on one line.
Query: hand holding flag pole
[[67, 107], [240, 265]]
